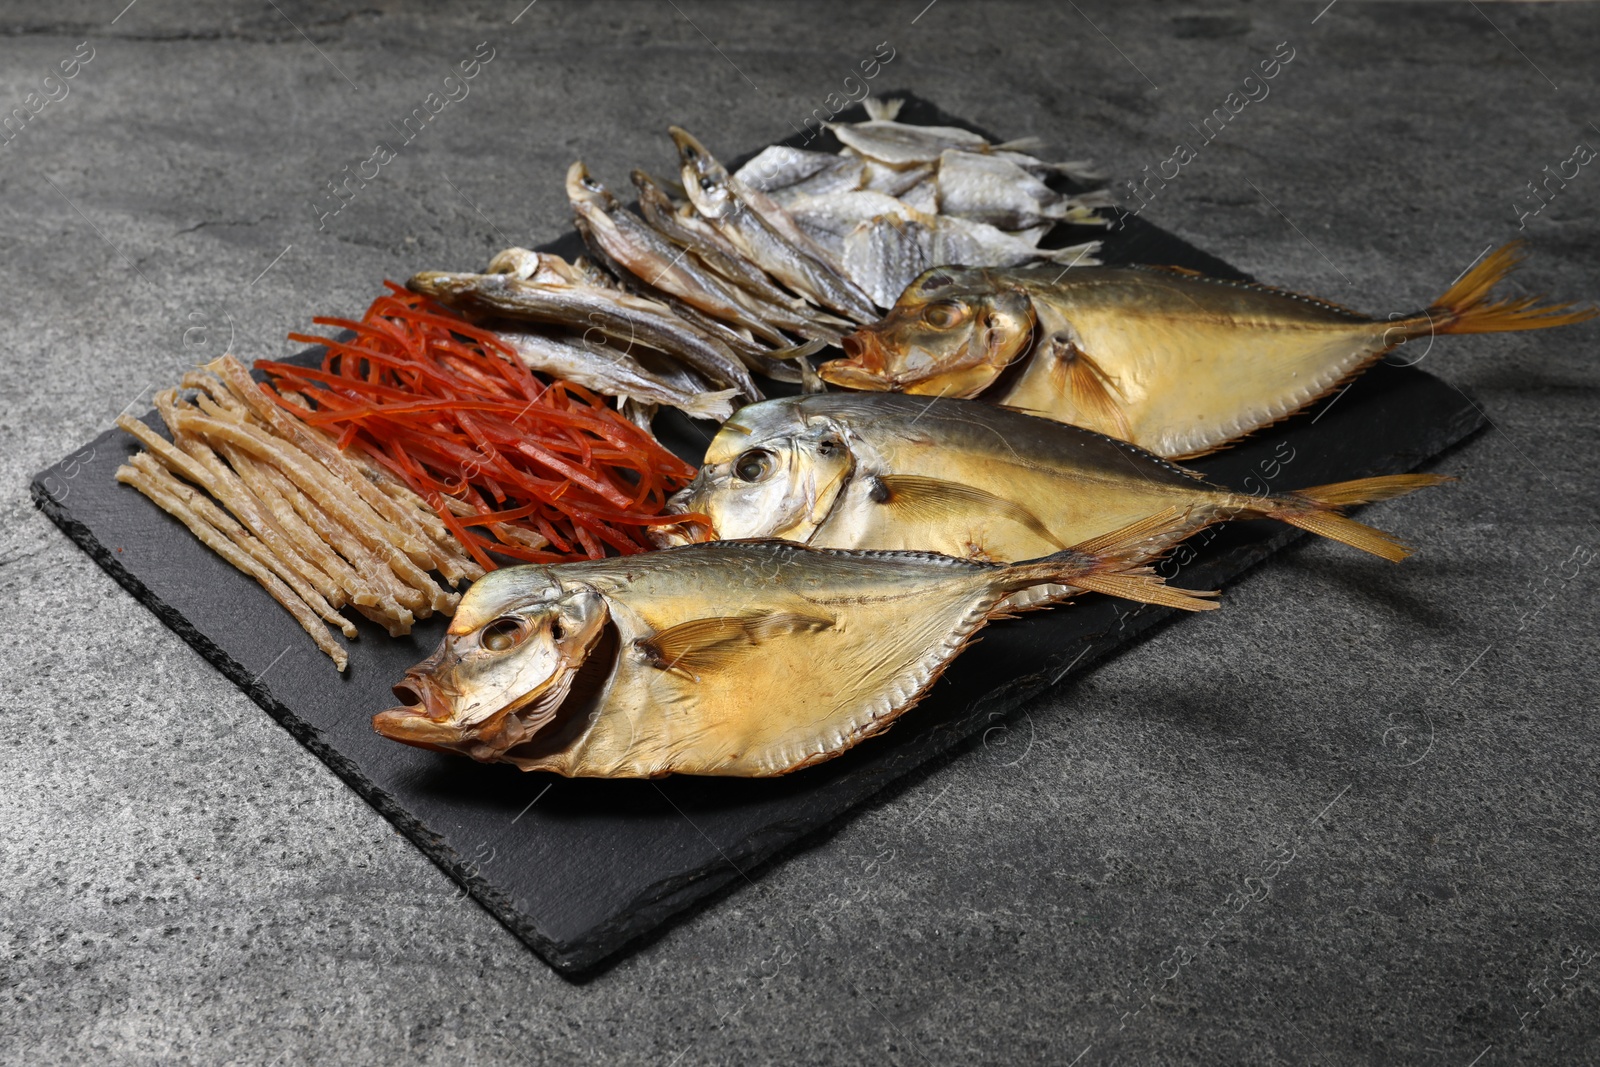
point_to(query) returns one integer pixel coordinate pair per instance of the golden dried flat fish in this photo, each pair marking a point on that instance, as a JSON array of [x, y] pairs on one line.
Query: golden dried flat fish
[[1178, 363], [743, 658], [968, 479]]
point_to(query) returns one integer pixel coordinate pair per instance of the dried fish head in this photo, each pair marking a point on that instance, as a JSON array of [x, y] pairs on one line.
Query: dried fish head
[[583, 188], [704, 179], [772, 471], [518, 640], [951, 333]]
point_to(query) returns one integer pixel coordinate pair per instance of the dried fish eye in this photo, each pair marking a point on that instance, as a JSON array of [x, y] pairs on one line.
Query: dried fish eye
[[944, 314], [502, 634], [708, 184], [827, 447], [556, 631], [753, 465]]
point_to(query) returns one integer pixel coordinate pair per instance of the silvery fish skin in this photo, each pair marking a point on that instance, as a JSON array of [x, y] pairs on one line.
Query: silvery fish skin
[[829, 219], [969, 242], [747, 659], [1002, 194], [1173, 361], [901, 145], [624, 318], [784, 173], [763, 232], [649, 256], [613, 371], [719, 254], [883, 243], [968, 479], [884, 258]]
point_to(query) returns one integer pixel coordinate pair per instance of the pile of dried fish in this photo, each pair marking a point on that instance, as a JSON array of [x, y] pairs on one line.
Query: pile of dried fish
[[760, 268], [1171, 360], [899, 198], [318, 528], [571, 321]]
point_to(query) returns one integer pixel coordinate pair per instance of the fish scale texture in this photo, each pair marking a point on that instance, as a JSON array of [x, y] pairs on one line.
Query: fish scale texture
[[1349, 818]]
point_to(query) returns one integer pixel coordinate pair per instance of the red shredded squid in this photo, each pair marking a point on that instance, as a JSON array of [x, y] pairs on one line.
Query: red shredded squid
[[449, 410]]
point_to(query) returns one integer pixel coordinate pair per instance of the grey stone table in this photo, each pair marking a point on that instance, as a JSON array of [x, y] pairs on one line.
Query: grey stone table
[[1350, 818]]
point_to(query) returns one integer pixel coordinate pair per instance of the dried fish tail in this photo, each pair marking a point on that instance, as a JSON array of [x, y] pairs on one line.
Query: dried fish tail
[[1466, 308], [1318, 510]]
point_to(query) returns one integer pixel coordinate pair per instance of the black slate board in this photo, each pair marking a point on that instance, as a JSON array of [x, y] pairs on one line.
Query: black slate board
[[578, 869]]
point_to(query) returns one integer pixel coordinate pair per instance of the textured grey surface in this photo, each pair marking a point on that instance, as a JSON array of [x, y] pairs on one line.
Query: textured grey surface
[[1409, 750]]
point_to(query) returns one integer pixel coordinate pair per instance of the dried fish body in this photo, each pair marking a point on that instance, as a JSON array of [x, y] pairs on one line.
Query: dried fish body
[[828, 220], [760, 229], [923, 196], [879, 238], [626, 319], [884, 257], [645, 254], [717, 252], [882, 178], [968, 242], [785, 173], [901, 145], [705, 659], [1004, 195], [968, 479], [1170, 360], [614, 371]]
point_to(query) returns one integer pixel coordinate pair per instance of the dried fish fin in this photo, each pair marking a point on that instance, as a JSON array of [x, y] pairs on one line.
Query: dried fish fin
[[1148, 588], [1466, 308], [884, 110], [1080, 377], [933, 499], [708, 644], [1130, 539], [1105, 564], [810, 380], [1317, 510]]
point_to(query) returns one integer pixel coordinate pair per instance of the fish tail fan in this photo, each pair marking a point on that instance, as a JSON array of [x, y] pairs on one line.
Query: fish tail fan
[[1114, 564], [1466, 306], [1317, 510], [1147, 587], [883, 109]]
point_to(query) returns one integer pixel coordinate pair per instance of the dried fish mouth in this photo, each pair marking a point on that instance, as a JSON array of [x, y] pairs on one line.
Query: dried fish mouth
[[951, 333]]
